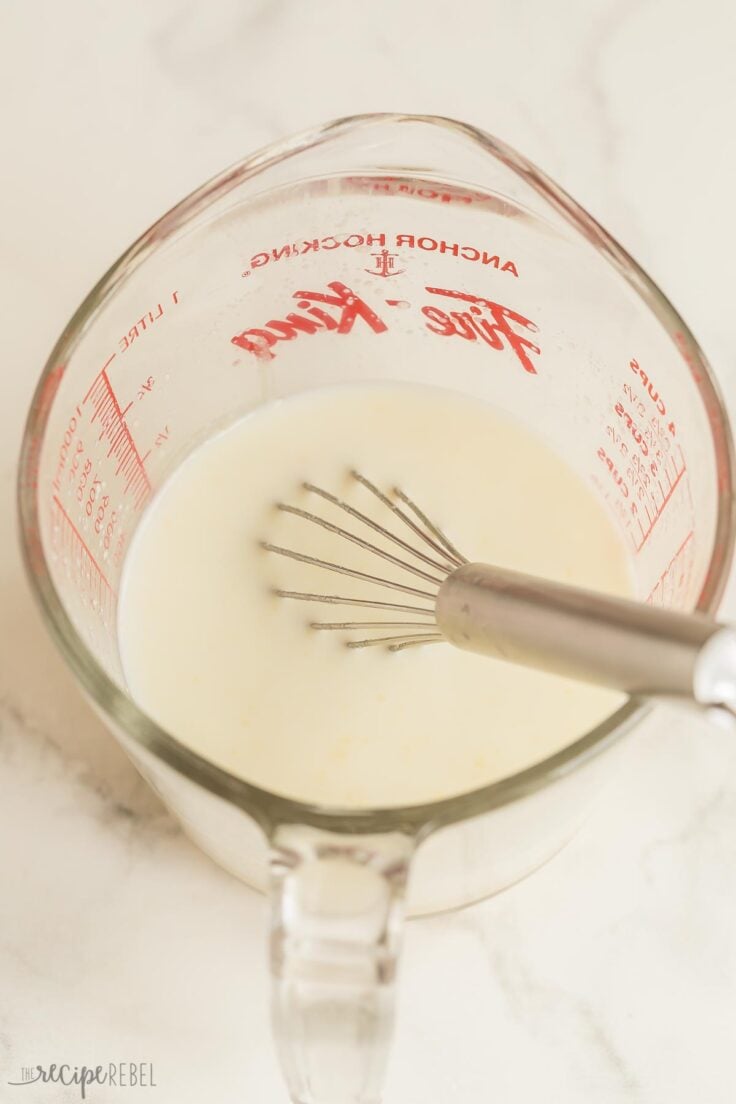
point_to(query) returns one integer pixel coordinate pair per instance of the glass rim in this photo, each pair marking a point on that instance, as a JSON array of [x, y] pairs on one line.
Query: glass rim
[[267, 808]]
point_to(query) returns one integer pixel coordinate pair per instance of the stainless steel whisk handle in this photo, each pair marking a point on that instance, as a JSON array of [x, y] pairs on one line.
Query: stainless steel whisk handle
[[614, 642]]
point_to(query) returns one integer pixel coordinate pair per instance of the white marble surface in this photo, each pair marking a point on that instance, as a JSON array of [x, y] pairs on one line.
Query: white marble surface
[[610, 976]]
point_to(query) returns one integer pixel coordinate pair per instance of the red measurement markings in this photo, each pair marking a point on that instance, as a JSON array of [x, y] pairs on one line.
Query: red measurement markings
[[652, 498], [81, 564], [145, 322], [676, 576], [113, 428], [646, 463]]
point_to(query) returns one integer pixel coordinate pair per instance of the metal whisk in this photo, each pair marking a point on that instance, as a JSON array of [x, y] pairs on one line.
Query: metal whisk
[[434, 551], [614, 642]]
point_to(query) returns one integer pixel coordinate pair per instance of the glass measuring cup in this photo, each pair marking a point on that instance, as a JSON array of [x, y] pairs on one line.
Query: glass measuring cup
[[376, 248]]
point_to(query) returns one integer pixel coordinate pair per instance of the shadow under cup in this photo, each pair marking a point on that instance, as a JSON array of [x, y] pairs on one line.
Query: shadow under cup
[[379, 248]]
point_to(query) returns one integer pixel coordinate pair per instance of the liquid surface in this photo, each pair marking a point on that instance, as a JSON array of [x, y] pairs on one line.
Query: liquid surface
[[237, 674]]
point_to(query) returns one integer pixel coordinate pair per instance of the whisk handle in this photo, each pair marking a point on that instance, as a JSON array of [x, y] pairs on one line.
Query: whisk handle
[[614, 642]]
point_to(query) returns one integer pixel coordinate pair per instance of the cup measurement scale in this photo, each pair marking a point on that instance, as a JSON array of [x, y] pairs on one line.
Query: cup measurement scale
[[100, 478]]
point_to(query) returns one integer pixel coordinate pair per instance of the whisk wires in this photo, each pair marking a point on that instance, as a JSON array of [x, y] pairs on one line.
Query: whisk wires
[[429, 546]]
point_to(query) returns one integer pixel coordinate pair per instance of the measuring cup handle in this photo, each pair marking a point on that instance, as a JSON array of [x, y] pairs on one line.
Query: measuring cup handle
[[338, 904]]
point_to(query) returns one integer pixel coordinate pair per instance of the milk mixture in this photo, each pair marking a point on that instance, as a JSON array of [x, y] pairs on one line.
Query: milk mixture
[[236, 672]]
